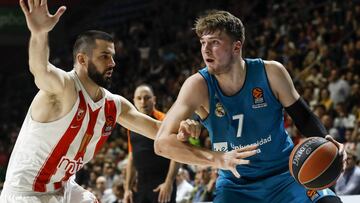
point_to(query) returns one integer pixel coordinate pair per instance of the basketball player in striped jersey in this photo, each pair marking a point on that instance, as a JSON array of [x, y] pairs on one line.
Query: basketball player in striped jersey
[[241, 102], [69, 119]]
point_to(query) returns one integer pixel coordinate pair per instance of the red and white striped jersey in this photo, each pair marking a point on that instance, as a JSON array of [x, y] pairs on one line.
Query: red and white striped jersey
[[47, 154]]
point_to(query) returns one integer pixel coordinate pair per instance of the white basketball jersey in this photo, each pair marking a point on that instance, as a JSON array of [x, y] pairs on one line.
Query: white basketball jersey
[[47, 154]]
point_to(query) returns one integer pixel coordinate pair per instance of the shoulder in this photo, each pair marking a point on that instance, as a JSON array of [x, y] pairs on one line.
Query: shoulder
[[194, 91], [195, 81], [274, 67], [276, 71]]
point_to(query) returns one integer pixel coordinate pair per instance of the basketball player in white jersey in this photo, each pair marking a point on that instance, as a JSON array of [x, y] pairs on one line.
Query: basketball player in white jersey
[[70, 117]]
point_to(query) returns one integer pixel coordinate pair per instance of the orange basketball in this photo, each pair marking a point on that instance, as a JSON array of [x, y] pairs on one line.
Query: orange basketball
[[315, 163]]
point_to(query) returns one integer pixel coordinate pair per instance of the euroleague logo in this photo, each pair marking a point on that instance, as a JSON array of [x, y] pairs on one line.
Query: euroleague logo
[[258, 98], [108, 126]]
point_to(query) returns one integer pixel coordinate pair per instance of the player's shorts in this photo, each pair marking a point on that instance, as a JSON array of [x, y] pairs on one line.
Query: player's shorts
[[71, 193], [277, 189]]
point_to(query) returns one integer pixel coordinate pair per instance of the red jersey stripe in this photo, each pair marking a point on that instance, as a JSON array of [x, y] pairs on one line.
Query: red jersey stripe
[[110, 122], [50, 165]]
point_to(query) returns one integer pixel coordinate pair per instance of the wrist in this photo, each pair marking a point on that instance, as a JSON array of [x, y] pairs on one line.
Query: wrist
[[39, 35]]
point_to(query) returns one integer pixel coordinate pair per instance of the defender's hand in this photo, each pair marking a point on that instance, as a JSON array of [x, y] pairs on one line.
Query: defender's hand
[[128, 197], [165, 191], [187, 129], [236, 157], [38, 18]]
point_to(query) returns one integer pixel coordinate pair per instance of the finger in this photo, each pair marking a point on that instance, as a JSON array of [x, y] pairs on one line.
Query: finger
[[131, 199], [241, 161], [235, 172], [248, 148], [43, 2], [191, 128], [246, 154], [184, 127], [160, 197], [36, 3], [24, 7], [198, 129], [31, 5], [156, 189], [331, 139], [59, 12], [181, 137], [338, 145], [194, 129]]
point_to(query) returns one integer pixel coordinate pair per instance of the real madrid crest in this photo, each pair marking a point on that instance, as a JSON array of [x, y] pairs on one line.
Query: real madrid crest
[[219, 110]]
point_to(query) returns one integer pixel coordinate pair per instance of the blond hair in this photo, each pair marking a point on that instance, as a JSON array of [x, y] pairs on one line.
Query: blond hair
[[215, 20]]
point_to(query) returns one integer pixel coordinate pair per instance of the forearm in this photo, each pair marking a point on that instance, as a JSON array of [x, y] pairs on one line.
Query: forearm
[[306, 121], [173, 168], [38, 52], [130, 174], [171, 148]]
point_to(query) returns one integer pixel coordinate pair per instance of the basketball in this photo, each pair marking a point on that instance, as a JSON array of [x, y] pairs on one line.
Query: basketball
[[315, 163]]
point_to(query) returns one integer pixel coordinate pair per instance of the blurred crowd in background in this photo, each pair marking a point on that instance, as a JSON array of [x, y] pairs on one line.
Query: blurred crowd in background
[[317, 41]]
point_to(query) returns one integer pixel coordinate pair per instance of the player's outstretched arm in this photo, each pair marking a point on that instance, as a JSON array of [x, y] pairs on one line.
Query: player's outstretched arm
[[190, 98], [133, 120], [143, 124], [40, 22]]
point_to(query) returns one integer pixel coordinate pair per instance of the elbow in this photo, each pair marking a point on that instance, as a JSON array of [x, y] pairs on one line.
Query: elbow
[[160, 146]]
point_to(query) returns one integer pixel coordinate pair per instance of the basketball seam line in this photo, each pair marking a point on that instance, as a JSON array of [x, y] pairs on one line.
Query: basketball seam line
[[312, 154]]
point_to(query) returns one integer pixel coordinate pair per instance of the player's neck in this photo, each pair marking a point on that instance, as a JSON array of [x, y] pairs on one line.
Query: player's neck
[[233, 80], [93, 90]]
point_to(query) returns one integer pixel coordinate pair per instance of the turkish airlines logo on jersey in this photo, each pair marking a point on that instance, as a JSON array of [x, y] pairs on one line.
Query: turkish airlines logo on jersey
[[70, 166], [80, 114], [108, 126]]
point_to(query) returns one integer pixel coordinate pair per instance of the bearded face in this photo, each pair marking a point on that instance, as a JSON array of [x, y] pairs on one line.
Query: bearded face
[[102, 79]]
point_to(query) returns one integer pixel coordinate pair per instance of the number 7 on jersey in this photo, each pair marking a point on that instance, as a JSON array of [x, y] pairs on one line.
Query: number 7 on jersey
[[241, 120]]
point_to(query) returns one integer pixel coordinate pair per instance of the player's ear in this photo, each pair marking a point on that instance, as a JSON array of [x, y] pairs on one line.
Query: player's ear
[[81, 59], [237, 47]]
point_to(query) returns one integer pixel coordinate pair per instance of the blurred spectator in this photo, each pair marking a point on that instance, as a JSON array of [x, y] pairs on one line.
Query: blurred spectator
[[349, 181], [327, 120], [338, 87], [184, 188]]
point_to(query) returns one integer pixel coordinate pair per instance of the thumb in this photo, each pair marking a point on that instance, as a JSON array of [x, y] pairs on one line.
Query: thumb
[[181, 136], [156, 189], [235, 172], [59, 12]]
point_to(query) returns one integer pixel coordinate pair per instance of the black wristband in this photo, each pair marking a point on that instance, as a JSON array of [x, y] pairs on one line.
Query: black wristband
[[306, 121]]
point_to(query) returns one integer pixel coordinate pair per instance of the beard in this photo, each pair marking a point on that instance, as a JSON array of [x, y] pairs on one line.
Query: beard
[[99, 78]]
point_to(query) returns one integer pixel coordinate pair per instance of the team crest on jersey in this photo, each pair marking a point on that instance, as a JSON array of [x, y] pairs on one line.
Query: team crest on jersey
[[108, 126], [80, 114], [258, 98], [219, 110]]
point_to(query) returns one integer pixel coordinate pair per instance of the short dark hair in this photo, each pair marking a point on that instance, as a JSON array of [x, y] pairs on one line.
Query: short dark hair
[[215, 20], [85, 42], [146, 85]]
